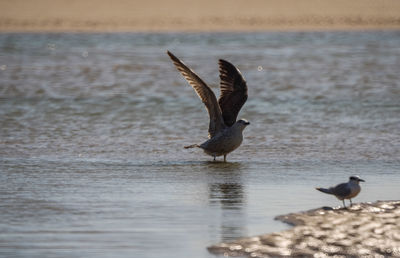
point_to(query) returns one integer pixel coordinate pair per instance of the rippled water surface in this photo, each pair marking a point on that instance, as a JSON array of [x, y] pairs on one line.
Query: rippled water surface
[[92, 129]]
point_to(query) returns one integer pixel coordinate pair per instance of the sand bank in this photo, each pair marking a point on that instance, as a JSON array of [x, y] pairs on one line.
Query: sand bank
[[363, 230], [197, 15]]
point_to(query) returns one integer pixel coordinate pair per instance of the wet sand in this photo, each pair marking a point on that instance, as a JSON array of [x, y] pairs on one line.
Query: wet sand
[[204, 15], [366, 229]]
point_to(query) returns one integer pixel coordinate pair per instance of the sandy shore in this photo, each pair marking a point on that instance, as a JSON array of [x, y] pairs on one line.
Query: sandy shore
[[364, 230], [198, 15]]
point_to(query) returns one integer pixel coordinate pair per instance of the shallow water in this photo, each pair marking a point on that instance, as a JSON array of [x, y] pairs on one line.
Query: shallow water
[[93, 127]]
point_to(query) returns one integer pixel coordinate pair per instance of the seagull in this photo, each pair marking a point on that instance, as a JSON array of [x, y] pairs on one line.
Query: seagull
[[345, 190], [225, 134]]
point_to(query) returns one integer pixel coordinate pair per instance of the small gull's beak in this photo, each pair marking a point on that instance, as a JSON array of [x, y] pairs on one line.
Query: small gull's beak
[[361, 180]]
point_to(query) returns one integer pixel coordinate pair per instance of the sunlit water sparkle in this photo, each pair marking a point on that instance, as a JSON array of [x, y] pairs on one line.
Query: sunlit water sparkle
[[93, 127]]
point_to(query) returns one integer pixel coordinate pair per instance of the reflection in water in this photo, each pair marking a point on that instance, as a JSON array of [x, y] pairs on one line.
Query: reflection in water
[[230, 195], [226, 189], [91, 148]]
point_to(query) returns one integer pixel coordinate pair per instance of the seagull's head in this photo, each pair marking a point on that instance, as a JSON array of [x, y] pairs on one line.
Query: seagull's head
[[356, 179], [242, 123]]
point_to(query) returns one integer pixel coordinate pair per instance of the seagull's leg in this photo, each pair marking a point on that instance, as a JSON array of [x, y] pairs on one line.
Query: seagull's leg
[[351, 204], [225, 158], [214, 157], [344, 205]]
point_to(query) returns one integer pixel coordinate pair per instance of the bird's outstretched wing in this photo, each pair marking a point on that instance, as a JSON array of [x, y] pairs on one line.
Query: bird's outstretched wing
[[205, 94], [233, 91]]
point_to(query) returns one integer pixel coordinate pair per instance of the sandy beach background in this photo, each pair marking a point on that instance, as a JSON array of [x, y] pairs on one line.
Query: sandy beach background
[[198, 15]]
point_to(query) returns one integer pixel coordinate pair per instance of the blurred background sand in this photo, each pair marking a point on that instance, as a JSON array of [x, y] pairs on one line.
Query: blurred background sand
[[198, 15]]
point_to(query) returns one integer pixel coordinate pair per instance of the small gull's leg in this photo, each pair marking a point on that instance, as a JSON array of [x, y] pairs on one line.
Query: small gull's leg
[[351, 204], [214, 157], [225, 158], [344, 205]]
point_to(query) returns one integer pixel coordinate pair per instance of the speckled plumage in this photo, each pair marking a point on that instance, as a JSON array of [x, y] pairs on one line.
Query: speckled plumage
[[224, 132]]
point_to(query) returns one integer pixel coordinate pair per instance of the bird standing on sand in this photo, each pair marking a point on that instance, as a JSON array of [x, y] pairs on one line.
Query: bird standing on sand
[[345, 190], [224, 132]]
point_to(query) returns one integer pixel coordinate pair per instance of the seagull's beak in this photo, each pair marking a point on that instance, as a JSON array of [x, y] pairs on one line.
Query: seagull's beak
[[247, 123], [361, 180]]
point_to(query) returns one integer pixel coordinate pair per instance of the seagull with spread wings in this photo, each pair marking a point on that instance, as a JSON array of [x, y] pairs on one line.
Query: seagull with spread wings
[[224, 132]]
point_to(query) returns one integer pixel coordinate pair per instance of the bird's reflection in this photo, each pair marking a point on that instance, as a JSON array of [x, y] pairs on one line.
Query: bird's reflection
[[225, 188], [230, 195]]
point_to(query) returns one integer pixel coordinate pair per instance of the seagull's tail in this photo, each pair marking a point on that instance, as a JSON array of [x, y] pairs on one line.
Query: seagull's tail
[[191, 146], [324, 190]]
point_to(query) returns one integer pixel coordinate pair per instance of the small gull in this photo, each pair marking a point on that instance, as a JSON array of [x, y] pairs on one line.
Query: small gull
[[224, 132], [345, 190]]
